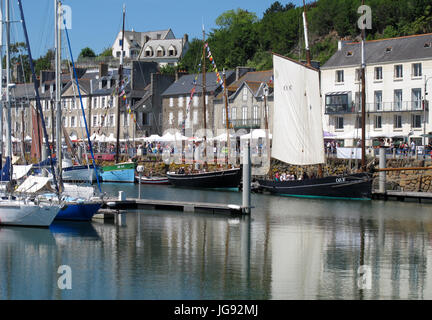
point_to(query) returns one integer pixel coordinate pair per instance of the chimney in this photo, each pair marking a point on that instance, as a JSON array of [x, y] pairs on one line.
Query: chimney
[[103, 69], [91, 86], [339, 45], [185, 38]]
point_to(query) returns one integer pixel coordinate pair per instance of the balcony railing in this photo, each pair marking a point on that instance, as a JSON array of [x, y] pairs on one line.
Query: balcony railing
[[403, 106], [246, 123]]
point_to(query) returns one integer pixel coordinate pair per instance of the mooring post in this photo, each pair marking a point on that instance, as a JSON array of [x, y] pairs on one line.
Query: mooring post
[[246, 208], [382, 174], [140, 170]]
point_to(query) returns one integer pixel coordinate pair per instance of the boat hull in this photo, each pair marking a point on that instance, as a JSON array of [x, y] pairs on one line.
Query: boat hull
[[79, 174], [28, 215], [153, 180], [80, 211], [217, 179], [354, 186], [121, 172]]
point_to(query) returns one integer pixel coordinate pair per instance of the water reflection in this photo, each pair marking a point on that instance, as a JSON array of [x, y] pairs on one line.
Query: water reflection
[[288, 249]]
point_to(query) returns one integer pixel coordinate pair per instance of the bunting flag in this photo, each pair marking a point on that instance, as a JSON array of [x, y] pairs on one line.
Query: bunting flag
[[219, 79]]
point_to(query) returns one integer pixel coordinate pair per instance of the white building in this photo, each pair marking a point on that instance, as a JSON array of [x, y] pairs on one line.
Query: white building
[[396, 75], [152, 46], [134, 41]]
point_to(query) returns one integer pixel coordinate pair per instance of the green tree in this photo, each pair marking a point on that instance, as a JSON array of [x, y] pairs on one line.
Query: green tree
[[87, 53], [107, 52]]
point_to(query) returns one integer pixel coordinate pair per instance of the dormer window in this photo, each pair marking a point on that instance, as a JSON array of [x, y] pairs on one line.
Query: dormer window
[[160, 52], [349, 54], [388, 49], [158, 36], [427, 44], [149, 52], [172, 51]]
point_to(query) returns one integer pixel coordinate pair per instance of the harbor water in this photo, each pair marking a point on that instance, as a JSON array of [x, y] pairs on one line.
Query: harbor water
[[289, 248]]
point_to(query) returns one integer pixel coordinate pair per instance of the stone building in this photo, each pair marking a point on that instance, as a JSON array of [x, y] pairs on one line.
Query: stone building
[[246, 103], [177, 98]]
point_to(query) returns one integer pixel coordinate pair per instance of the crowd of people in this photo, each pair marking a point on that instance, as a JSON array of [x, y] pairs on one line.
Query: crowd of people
[[285, 176]]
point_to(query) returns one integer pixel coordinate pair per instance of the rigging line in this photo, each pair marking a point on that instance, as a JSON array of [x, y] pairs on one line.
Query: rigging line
[[82, 107]]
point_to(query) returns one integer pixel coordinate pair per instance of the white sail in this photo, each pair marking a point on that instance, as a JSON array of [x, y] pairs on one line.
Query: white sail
[[297, 125]]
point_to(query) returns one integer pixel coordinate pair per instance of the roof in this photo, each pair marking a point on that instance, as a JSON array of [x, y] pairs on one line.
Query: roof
[[165, 44], [137, 39], [253, 78], [408, 48], [185, 84]]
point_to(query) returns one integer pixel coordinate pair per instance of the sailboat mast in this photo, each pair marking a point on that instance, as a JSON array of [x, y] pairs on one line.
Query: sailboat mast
[[363, 101], [8, 78], [305, 26], [1, 83], [57, 40], [204, 100], [226, 119], [119, 100]]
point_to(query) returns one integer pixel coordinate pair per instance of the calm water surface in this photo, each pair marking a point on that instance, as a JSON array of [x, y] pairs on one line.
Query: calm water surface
[[289, 249]]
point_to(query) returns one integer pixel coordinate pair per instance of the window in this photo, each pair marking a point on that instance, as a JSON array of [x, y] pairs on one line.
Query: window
[[397, 121], [255, 112], [171, 118], [378, 73], [103, 102], [416, 98], [245, 94], [72, 121], [378, 100], [188, 100], [111, 120], [417, 69], [195, 117], [180, 101], [94, 121], [358, 123], [206, 99], [358, 74], [416, 121], [339, 123], [339, 76], [244, 114], [233, 113], [358, 101], [171, 102], [398, 99], [95, 103], [378, 124], [160, 52], [195, 101], [120, 42], [398, 71], [180, 117]]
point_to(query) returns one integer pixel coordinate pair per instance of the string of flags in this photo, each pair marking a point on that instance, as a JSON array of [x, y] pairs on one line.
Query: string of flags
[[219, 79]]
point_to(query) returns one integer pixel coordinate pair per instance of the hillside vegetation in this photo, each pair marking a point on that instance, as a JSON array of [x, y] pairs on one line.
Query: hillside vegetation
[[242, 39]]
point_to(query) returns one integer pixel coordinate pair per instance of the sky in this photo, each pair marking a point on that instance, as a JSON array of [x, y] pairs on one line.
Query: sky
[[96, 23]]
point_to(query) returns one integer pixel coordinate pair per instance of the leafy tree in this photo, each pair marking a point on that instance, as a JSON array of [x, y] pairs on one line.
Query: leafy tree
[[107, 52], [87, 53]]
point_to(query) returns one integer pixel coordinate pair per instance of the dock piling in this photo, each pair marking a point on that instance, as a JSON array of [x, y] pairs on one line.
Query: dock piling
[[382, 174], [246, 207]]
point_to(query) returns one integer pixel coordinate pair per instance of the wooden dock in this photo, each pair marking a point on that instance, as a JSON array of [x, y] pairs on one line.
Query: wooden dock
[[134, 203], [402, 196]]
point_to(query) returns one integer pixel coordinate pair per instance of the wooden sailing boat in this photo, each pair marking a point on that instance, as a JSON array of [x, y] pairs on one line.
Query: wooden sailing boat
[[119, 172], [226, 178], [298, 133]]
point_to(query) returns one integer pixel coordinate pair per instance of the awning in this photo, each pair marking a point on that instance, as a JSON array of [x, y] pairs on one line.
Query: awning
[[338, 93]]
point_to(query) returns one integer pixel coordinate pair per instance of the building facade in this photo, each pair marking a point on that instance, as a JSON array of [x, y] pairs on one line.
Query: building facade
[[246, 103], [397, 72], [186, 115]]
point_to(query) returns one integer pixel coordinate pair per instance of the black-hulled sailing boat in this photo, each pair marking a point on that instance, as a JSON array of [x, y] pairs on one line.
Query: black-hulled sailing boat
[[298, 134], [224, 178]]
